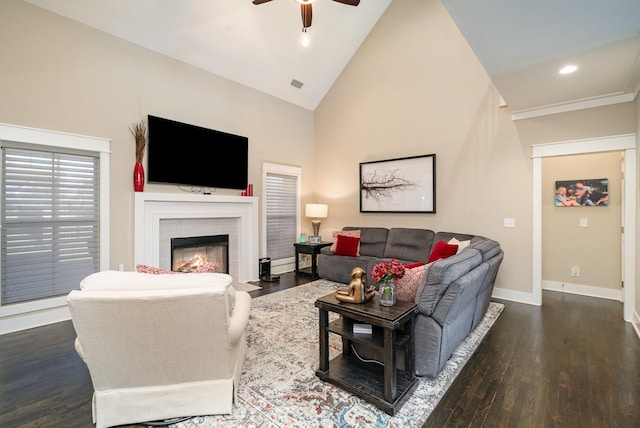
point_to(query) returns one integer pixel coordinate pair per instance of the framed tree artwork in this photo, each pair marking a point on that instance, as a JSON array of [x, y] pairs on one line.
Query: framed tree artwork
[[403, 185]]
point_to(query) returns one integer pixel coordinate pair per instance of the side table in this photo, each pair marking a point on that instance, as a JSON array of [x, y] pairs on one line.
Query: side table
[[392, 328], [314, 250]]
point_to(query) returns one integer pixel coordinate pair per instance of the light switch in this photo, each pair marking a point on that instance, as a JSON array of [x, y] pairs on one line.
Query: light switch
[[584, 222], [509, 222]]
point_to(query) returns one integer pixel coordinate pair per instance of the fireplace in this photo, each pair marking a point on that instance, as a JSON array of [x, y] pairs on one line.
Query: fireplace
[[190, 254], [162, 216]]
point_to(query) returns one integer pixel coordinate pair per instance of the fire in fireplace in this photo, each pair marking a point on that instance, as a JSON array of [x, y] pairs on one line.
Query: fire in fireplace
[[189, 254]]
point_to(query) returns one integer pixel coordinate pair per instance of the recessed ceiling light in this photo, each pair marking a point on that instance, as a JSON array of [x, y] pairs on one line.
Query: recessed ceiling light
[[568, 69]]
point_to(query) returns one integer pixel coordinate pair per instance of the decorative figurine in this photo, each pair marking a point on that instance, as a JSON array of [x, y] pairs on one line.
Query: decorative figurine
[[357, 292]]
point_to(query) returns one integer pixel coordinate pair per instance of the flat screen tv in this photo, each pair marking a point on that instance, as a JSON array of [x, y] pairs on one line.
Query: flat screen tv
[[190, 155]]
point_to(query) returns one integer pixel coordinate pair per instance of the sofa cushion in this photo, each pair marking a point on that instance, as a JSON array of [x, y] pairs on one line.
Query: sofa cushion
[[336, 233], [442, 250], [339, 268], [140, 281], [407, 286], [135, 281], [441, 274], [347, 246], [408, 244], [487, 247], [372, 240]]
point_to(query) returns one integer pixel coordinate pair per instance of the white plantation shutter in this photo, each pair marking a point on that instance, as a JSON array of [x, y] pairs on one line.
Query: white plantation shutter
[[50, 222], [281, 202]]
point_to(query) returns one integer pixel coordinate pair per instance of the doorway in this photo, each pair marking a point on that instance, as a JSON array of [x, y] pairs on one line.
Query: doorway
[[581, 224], [626, 143]]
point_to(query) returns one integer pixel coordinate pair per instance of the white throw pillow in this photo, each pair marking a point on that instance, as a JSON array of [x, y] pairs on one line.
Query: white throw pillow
[[461, 244]]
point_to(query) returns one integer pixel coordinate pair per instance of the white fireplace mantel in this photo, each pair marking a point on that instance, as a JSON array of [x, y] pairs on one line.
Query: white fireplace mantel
[[152, 208]]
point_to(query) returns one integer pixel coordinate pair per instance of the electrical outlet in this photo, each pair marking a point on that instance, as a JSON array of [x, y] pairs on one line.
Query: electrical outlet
[[509, 222], [575, 271]]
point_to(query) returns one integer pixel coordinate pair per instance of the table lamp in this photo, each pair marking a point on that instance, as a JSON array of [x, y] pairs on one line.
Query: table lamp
[[317, 211]]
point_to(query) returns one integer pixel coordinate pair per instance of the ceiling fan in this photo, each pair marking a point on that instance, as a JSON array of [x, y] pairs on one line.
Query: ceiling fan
[[305, 8]]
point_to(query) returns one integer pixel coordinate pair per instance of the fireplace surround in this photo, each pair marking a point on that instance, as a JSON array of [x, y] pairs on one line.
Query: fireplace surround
[[161, 216]]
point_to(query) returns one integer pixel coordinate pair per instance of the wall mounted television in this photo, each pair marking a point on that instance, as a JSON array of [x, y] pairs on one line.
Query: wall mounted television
[[190, 155]]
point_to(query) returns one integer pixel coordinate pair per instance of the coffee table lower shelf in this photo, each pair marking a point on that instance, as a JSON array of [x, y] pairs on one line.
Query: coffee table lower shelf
[[366, 380]]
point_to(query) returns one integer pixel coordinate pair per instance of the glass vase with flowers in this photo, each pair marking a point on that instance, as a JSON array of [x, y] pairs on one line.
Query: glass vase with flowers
[[384, 274]]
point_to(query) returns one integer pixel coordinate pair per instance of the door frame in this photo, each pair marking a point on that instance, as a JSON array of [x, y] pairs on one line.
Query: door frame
[[625, 143]]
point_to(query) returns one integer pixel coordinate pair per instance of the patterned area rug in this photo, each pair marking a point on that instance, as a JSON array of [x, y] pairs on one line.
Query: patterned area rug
[[279, 387]]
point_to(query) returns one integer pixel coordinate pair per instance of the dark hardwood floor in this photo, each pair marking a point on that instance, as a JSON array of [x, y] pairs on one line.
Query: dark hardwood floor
[[571, 363]]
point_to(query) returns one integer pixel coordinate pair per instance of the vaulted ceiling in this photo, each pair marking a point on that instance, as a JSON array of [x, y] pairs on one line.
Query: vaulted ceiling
[[521, 44]]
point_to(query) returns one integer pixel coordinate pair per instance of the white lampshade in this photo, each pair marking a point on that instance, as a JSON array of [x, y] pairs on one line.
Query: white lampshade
[[316, 210]]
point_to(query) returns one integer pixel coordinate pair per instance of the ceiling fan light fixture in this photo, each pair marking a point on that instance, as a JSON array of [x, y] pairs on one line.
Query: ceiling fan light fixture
[[304, 1], [568, 69], [305, 40]]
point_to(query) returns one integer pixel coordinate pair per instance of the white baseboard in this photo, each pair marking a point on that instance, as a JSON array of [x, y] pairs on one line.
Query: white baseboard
[[18, 322], [636, 323], [514, 296], [278, 269], [583, 290]]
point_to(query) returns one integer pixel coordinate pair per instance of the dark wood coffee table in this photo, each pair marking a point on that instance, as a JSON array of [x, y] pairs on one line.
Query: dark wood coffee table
[[392, 328]]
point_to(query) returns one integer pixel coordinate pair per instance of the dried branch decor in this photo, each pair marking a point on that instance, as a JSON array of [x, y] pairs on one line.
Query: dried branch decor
[[139, 131]]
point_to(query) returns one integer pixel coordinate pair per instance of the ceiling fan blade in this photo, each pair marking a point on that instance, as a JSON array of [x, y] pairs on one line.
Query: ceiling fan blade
[[305, 9], [260, 1], [349, 2]]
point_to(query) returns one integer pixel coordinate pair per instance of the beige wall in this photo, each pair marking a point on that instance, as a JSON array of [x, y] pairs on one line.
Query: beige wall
[[595, 249], [63, 76], [415, 87], [605, 121]]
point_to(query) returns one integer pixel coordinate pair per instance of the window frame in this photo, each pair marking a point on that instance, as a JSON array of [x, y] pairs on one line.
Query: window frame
[[12, 317]]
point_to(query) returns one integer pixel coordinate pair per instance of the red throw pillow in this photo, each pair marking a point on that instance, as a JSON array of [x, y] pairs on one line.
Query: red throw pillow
[[413, 265], [442, 250], [336, 233], [347, 246]]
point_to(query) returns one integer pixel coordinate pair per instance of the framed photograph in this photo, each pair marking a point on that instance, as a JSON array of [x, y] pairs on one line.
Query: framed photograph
[[592, 192], [315, 239], [404, 185]]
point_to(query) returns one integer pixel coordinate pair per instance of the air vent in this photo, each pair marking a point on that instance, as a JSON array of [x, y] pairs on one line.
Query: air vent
[[296, 83]]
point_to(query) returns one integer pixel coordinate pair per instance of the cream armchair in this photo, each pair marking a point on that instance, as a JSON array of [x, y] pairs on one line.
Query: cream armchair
[[160, 346]]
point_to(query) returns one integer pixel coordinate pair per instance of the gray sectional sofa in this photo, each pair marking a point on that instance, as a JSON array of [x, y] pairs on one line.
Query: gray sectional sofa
[[454, 293]]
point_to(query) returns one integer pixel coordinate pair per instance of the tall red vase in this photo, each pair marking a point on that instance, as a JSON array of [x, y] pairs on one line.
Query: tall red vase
[[138, 177]]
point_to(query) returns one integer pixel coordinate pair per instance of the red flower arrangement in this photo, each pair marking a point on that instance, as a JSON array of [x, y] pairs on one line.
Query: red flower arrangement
[[386, 271]]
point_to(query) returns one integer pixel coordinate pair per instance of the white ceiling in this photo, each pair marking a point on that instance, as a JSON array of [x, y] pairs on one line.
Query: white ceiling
[[255, 45], [521, 44]]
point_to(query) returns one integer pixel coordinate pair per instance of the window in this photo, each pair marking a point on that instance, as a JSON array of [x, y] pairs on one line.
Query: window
[[54, 214], [281, 201], [50, 222]]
